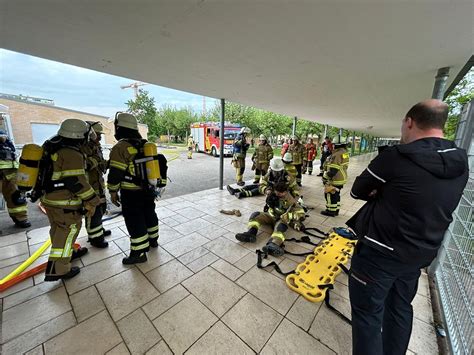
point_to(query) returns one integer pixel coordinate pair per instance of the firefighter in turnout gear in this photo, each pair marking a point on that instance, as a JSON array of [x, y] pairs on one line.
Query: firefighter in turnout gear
[[240, 152], [335, 176], [16, 205], [190, 147], [136, 198], [297, 151], [310, 156], [326, 149], [67, 193], [289, 167], [275, 174], [284, 211], [96, 167], [261, 158]]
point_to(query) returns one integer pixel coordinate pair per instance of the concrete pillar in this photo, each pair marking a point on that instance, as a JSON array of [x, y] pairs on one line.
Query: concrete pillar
[[441, 80], [221, 152], [295, 119]]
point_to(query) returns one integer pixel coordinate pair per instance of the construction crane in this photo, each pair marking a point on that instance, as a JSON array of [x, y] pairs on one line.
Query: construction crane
[[135, 86]]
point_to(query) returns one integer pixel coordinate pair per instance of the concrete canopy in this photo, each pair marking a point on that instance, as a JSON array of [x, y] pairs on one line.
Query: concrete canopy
[[352, 64]]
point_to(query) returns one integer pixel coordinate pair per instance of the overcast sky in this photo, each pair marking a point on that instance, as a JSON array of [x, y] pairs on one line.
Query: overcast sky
[[80, 89]]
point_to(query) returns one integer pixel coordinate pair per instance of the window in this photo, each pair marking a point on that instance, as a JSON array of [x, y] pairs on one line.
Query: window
[[43, 131]]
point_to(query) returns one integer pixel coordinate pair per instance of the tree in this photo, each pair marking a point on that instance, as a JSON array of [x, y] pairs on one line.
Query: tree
[[144, 109]]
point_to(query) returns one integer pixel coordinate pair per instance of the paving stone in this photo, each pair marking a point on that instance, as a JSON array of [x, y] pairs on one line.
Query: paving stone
[[302, 312], [117, 233], [253, 321], [423, 338], [164, 212], [183, 324], [205, 260], [13, 250], [212, 232], [247, 262], [95, 254], [237, 226], [97, 335], [39, 235], [29, 315], [165, 301], [168, 275], [156, 257], [191, 212], [29, 293], [219, 340], [138, 332], [341, 289], [226, 269], [193, 255], [285, 265], [192, 226], [12, 239], [170, 221], [289, 339], [12, 261], [39, 335], [168, 234], [217, 292], [184, 245], [226, 249], [268, 289], [120, 349], [123, 243], [160, 349], [95, 273], [125, 292], [86, 303], [36, 351], [180, 218], [423, 285], [422, 309]]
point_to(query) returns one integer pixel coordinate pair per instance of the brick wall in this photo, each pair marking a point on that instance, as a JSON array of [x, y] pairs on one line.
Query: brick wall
[[23, 114]]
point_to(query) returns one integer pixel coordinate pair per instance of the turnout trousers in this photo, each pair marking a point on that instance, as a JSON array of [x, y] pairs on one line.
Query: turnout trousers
[[258, 219], [65, 227], [239, 165], [381, 290], [308, 166], [249, 190], [94, 224], [333, 201], [138, 208], [299, 170], [260, 170], [17, 212]]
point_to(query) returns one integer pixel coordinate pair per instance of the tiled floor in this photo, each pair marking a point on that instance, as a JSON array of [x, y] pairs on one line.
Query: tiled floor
[[199, 293]]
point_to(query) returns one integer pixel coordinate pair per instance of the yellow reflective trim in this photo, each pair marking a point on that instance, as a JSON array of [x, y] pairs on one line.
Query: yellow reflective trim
[[85, 195], [72, 202], [68, 246], [64, 173], [139, 239], [54, 157], [18, 209], [93, 230], [153, 229], [129, 186], [279, 235], [113, 187], [118, 165], [95, 235], [140, 247], [153, 235], [132, 150], [253, 224], [55, 253]]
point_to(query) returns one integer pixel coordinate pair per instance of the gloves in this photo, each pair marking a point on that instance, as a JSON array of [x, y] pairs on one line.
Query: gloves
[[90, 209], [330, 189], [115, 198]]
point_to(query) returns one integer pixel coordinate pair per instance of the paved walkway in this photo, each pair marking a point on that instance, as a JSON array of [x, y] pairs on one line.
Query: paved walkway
[[200, 291]]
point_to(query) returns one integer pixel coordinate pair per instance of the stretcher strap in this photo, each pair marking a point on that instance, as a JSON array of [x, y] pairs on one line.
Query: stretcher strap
[[262, 255], [330, 306], [319, 231]]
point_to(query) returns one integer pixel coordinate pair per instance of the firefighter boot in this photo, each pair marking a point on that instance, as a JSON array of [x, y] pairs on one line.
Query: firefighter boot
[[99, 242], [21, 224], [153, 242], [330, 213], [239, 195], [273, 249], [231, 190], [241, 183], [50, 269], [78, 253], [107, 232], [136, 257], [247, 237]]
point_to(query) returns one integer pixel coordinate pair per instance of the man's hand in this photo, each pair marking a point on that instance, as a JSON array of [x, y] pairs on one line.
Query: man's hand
[[90, 209], [115, 198]]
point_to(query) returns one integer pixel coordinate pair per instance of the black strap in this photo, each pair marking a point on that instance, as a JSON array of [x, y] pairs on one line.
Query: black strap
[[317, 231], [304, 239], [262, 255], [330, 306]]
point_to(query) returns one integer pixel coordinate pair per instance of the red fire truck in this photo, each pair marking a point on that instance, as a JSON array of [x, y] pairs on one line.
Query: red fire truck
[[206, 136]]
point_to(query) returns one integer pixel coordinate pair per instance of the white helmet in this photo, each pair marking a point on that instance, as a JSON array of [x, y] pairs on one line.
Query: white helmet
[[276, 164], [262, 137], [288, 158], [96, 126], [295, 137], [73, 128], [245, 130], [190, 136], [126, 120]]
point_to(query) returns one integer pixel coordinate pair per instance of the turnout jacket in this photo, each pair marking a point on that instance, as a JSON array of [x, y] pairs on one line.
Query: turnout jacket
[[298, 152], [122, 168], [311, 151], [268, 181], [418, 186], [8, 155], [262, 155], [335, 167], [287, 210], [96, 166]]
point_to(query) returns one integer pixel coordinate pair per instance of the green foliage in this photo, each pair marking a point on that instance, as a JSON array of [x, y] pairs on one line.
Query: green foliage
[[144, 109]]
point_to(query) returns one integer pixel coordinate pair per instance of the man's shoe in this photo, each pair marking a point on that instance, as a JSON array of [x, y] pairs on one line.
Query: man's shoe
[[329, 213], [246, 237], [73, 272], [79, 253], [99, 242], [153, 242], [320, 174], [22, 224], [273, 249], [231, 190], [241, 183], [135, 258], [107, 232]]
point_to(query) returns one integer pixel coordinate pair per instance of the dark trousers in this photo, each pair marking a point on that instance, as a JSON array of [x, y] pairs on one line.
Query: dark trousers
[[323, 159], [299, 169], [381, 290], [138, 208], [333, 201], [308, 165], [249, 190], [94, 224]]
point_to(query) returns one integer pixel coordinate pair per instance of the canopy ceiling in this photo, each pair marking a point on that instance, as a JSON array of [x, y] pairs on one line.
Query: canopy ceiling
[[352, 64]]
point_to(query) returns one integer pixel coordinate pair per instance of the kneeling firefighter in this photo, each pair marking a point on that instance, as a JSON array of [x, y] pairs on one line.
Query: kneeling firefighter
[[131, 175], [65, 192], [96, 167], [283, 211]]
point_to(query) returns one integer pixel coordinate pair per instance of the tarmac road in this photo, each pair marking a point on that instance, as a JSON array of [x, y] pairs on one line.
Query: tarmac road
[[185, 176]]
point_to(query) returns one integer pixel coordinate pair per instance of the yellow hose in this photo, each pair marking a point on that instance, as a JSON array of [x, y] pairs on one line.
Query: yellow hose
[[27, 263]]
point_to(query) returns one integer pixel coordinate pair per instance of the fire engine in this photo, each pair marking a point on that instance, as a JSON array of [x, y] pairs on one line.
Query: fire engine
[[206, 137]]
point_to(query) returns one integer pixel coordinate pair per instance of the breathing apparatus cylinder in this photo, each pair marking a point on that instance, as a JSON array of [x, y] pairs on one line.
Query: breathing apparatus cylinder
[[29, 167], [152, 166]]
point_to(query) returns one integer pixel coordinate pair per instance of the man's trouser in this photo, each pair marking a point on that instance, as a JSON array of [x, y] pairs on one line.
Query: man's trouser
[[299, 169], [239, 165], [249, 190], [324, 156], [260, 171], [138, 208], [308, 165], [94, 224], [65, 227], [333, 201], [258, 219], [8, 188], [381, 290], [190, 152]]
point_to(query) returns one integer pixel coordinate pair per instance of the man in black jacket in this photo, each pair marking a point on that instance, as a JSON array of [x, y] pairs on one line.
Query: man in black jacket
[[412, 190]]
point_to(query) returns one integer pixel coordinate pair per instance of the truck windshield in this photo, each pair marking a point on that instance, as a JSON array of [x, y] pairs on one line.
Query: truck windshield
[[230, 134]]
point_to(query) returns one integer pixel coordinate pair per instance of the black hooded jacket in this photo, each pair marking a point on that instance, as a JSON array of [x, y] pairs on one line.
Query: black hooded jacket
[[418, 186]]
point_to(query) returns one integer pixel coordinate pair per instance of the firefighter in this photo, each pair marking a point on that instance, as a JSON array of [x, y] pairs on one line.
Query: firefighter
[[326, 149], [136, 198], [67, 192], [285, 146], [284, 211], [261, 158], [275, 174], [297, 151], [335, 176], [16, 205], [289, 167], [96, 167], [240, 152], [190, 146], [309, 157]]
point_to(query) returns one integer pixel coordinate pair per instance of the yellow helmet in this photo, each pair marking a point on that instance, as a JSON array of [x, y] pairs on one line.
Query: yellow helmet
[[73, 128], [96, 126], [126, 120]]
